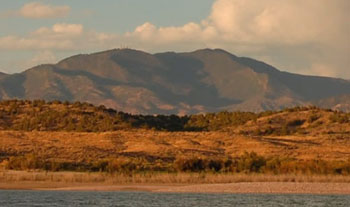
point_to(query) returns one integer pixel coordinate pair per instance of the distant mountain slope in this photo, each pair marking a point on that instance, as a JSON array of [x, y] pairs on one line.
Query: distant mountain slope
[[181, 83], [3, 75], [340, 103]]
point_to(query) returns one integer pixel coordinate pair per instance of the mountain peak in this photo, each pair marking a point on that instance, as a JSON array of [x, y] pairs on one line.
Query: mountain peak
[[205, 80], [215, 50]]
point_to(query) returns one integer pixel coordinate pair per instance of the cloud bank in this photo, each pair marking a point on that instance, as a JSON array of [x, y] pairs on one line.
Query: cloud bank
[[36, 10], [304, 36], [61, 36]]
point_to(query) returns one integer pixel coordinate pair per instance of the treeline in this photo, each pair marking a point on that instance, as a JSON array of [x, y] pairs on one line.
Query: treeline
[[40, 115], [246, 163], [83, 117]]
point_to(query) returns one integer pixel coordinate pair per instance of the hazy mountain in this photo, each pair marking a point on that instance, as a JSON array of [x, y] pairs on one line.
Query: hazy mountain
[[2, 75], [340, 103], [204, 80]]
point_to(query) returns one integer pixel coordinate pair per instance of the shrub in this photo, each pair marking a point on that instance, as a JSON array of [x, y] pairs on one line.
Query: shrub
[[191, 164], [249, 162], [295, 123], [123, 165]]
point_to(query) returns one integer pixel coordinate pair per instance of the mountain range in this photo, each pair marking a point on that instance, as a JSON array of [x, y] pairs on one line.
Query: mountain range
[[207, 80]]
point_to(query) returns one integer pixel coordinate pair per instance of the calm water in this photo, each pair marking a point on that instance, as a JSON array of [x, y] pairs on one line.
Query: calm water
[[56, 198]]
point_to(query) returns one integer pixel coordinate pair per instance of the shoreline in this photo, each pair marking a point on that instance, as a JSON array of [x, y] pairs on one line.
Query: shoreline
[[176, 183], [230, 188]]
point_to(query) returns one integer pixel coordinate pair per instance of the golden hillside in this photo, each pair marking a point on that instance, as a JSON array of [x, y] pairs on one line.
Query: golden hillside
[[153, 145], [293, 140]]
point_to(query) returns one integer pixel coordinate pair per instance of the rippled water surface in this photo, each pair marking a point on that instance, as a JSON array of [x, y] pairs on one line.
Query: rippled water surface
[[68, 198]]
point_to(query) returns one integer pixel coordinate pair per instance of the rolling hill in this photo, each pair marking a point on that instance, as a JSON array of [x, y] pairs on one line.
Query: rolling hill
[[174, 83], [55, 136]]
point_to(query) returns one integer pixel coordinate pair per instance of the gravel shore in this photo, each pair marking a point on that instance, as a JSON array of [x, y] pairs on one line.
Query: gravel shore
[[266, 187], [244, 187]]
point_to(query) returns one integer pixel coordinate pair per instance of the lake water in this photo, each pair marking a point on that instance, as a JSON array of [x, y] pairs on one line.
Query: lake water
[[133, 199]]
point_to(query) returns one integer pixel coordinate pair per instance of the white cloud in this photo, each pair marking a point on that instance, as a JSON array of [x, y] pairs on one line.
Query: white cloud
[[53, 41], [149, 32], [60, 29], [60, 36], [284, 22], [260, 22], [36, 10], [315, 33]]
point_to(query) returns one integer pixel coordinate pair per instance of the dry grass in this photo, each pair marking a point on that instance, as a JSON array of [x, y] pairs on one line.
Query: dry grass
[[160, 178], [78, 147]]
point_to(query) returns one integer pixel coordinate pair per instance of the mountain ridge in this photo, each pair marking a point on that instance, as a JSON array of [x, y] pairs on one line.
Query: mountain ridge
[[206, 80]]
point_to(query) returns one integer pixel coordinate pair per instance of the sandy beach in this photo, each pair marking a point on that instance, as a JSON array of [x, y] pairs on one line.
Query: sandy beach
[[244, 187]]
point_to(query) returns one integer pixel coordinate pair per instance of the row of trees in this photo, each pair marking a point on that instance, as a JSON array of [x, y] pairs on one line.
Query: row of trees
[[246, 163], [83, 117]]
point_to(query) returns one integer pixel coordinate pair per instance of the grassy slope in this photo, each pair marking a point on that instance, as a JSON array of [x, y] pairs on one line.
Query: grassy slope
[[299, 133], [78, 147]]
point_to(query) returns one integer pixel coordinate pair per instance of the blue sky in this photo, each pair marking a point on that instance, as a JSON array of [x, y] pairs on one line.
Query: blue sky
[[302, 36], [111, 15]]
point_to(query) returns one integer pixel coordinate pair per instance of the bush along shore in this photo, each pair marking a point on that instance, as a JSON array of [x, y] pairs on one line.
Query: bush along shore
[[247, 163]]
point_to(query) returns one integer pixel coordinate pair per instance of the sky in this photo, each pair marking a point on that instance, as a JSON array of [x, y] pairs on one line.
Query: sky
[[301, 36]]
